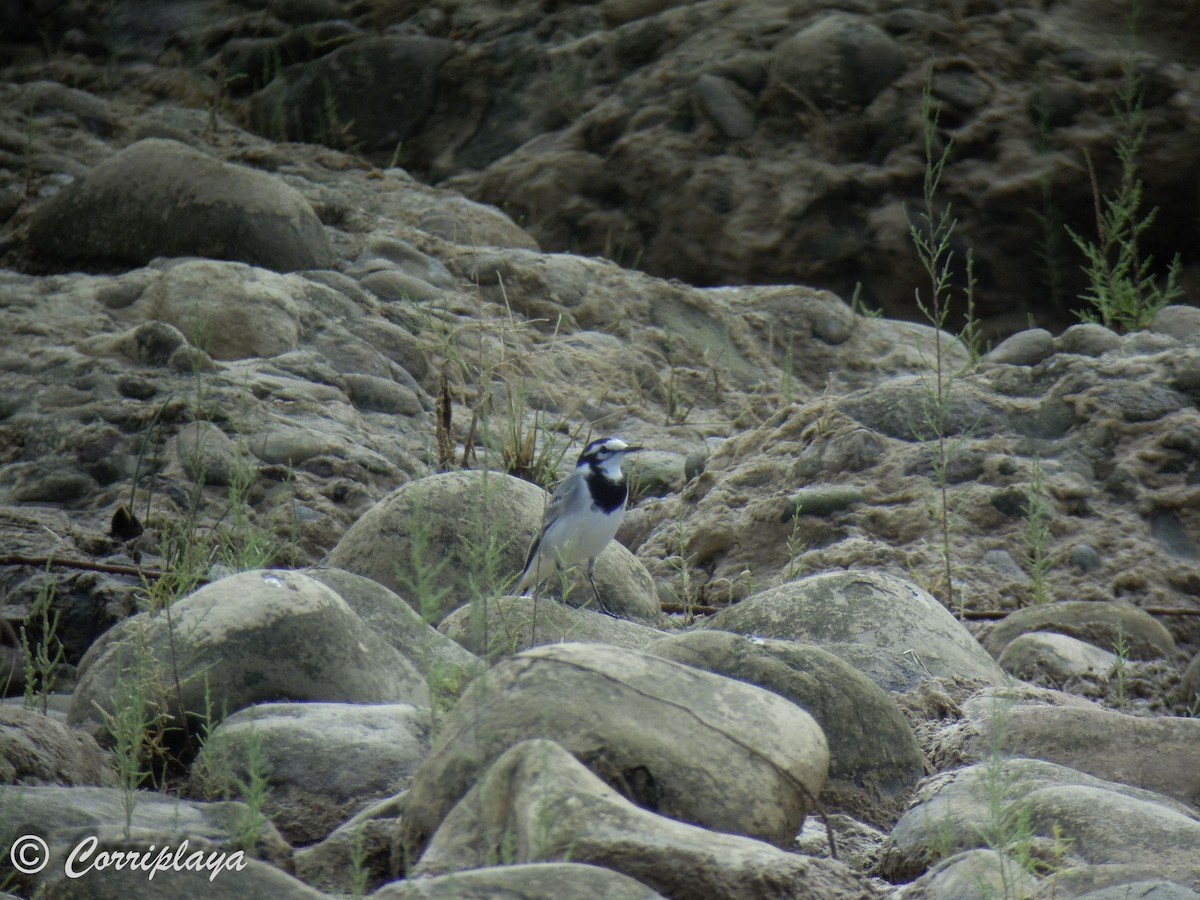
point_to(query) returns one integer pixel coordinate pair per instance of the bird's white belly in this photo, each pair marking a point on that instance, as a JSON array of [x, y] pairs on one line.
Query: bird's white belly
[[579, 538]]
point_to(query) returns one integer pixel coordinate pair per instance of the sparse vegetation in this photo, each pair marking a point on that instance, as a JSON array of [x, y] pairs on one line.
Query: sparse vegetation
[[134, 726], [1120, 667], [681, 561], [1124, 291], [1038, 558], [1009, 829], [931, 234], [796, 547], [42, 658]]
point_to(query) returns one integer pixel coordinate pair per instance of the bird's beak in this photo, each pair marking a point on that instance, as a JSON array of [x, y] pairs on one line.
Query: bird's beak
[[633, 449]]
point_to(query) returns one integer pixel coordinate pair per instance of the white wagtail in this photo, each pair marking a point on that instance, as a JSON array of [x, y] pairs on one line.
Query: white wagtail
[[583, 515]]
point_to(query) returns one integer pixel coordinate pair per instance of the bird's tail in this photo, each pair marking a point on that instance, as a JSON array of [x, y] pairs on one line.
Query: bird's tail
[[529, 575]]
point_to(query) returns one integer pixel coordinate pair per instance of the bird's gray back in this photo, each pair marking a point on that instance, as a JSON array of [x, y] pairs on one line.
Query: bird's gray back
[[571, 494]]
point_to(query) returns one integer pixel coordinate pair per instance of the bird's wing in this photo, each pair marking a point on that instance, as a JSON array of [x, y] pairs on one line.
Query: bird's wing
[[566, 495]]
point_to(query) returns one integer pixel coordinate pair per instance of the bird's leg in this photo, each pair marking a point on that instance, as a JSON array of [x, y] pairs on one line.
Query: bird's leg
[[591, 570]]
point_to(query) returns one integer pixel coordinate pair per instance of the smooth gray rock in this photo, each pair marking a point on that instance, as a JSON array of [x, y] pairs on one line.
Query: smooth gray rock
[[1178, 321], [1025, 348], [839, 60], [1088, 339], [512, 624], [1158, 753], [549, 806], [322, 761], [361, 850], [208, 455], [887, 628], [1097, 622], [38, 749], [726, 105], [874, 759], [973, 873], [636, 720], [66, 816], [446, 666], [226, 309], [1051, 659], [256, 879], [1092, 821], [114, 215], [257, 636], [530, 881], [428, 541], [900, 408], [1124, 881]]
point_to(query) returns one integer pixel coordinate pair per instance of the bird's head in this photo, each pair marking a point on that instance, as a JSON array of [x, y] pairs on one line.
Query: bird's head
[[605, 455]]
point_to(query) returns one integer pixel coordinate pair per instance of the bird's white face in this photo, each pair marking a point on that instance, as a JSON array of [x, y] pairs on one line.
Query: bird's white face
[[606, 455]]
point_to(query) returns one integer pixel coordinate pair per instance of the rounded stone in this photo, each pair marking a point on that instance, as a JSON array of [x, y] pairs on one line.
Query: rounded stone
[[636, 720], [1179, 322], [874, 759], [1100, 623], [1052, 659], [162, 198], [1025, 348], [444, 540], [886, 627], [839, 60], [252, 637], [1088, 339]]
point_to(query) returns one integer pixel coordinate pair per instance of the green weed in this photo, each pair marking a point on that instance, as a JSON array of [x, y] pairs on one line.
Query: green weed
[[43, 658], [1038, 557], [1124, 292], [931, 234], [1120, 666], [681, 561], [133, 726]]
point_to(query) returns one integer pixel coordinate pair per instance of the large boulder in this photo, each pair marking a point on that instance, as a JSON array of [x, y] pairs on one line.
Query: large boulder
[[447, 540], [159, 197], [510, 624], [259, 636], [888, 628], [1159, 753], [541, 804], [321, 761], [229, 310], [36, 748], [72, 818], [636, 720], [446, 665], [1002, 802], [874, 759], [1104, 625]]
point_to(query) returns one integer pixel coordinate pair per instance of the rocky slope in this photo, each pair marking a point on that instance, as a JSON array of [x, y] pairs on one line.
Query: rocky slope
[[943, 627]]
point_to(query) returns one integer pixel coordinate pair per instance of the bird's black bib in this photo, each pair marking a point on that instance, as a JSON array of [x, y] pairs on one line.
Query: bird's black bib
[[607, 495]]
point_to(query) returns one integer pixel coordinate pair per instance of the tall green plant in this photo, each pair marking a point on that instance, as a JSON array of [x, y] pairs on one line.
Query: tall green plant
[[1038, 557], [932, 231], [43, 658], [1124, 292], [133, 726]]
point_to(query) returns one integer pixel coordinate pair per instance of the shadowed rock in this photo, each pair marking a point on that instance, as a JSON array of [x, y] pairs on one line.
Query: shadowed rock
[[543, 804], [888, 628], [637, 721], [163, 198], [255, 636]]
